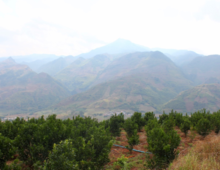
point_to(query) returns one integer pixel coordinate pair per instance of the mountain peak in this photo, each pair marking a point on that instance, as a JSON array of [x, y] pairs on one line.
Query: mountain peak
[[120, 46], [9, 61], [120, 40]]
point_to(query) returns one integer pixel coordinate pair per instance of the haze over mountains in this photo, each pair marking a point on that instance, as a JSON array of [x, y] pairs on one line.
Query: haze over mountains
[[202, 96], [24, 91], [121, 76], [203, 70], [137, 81]]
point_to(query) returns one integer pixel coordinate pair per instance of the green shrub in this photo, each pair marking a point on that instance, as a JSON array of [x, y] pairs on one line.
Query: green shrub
[[15, 165], [131, 129], [115, 124], [163, 146], [162, 118], [132, 140], [151, 125], [137, 118], [179, 119], [185, 126], [122, 162], [130, 126], [62, 157], [168, 124], [216, 121], [196, 116], [203, 127], [7, 150], [149, 116]]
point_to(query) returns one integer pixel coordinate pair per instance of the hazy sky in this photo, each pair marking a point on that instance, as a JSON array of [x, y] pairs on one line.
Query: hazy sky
[[71, 27]]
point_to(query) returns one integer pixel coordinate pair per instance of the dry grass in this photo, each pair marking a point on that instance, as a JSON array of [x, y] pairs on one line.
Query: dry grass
[[205, 155]]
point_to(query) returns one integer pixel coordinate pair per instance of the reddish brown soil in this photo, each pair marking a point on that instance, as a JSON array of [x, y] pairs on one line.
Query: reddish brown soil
[[117, 152], [185, 144]]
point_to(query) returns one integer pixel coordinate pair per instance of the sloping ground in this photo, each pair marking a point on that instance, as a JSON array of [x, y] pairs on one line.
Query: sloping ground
[[24, 91], [55, 66], [204, 155], [129, 94], [203, 69], [135, 82], [199, 97], [155, 64], [79, 75], [137, 160]]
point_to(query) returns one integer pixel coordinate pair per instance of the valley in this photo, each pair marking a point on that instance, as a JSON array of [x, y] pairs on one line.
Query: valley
[[119, 77]]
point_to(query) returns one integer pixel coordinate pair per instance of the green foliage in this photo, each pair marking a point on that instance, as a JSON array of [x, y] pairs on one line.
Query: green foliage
[[149, 116], [36, 140], [115, 123], [7, 150], [196, 116], [130, 126], [85, 143], [15, 165], [62, 157], [137, 118], [132, 140], [185, 126], [94, 152], [162, 118], [163, 146], [178, 117], [122, 162], [10, 128], [151, 125], [192, 133], [217, 126], [168, 124], [216, 121], [203, 127], [131, 129]]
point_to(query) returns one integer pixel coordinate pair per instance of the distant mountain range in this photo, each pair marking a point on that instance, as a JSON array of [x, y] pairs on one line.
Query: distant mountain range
[[135, 82], [55, 66], [119, 46], [79, 75], [199, 97], [121, 76], [24, 91], [203, 69]]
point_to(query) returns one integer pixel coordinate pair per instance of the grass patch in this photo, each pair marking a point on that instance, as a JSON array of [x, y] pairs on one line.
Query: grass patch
[[204, 155]]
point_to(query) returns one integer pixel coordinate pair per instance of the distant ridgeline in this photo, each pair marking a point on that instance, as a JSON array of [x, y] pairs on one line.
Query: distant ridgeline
[[119, 77]]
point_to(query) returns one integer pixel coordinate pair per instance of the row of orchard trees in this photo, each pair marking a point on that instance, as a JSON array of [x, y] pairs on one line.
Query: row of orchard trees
[[78, 143], [162, 138], [85, 143]]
